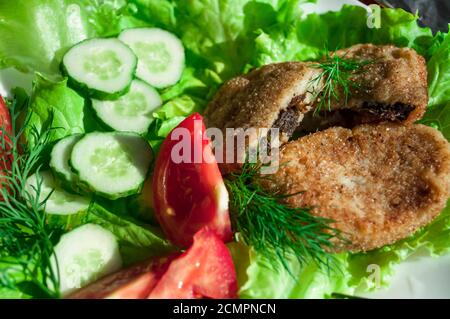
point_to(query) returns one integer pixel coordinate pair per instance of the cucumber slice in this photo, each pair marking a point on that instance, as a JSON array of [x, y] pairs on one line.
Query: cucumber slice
[[59, 202], [84, 255], [131, 112], [102, 68], [112, 164], [59, 161], [160, 55]]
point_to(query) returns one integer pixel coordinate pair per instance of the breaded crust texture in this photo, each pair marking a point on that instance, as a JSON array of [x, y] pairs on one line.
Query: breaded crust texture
[[380, 183]]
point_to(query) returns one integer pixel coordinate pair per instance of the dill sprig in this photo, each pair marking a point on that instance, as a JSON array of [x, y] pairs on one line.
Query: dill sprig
[[274, 230], [335, 77], [26, 240]]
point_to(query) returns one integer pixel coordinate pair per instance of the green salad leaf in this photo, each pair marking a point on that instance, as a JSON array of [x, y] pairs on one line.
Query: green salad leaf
[[311, 37], [219, 31], [222, 38], [218, 36], [54, 106], [308, 39], [439, 73], [35, 33], [137, 241]]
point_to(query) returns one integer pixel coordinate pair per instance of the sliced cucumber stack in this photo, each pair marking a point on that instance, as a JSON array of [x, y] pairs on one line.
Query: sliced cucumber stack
[[113, 164], [103, 68], [160, 55], [59, 202], [132, 112], [59, 161], [84, 255]]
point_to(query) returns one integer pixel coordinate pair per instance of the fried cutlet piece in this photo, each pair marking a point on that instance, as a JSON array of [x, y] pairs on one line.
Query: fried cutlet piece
[[380, 183], [273, 95], [392, 87]]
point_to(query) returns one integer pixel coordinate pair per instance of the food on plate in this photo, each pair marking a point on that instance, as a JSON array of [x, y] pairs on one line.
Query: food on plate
[[103, 68], [205, 270], [160, 55], [57, 200], [6, 129], [113, 187], [391, 85], [112, 164], [84, 255], [382, 83], [134, 282], [132, 112], [273, 95], [379, 183], [189, 192]]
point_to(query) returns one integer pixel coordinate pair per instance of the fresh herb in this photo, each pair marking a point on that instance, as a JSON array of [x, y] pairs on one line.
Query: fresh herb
[[26, 241], [274, 229], [336, 76]]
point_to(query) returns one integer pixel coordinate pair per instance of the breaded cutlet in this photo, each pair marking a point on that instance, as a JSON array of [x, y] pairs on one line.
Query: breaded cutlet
[[391, 87], [380, 183]]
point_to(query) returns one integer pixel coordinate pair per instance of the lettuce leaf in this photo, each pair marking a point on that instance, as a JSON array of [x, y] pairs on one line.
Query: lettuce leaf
[[218, 39], [219, 31], [137, 241], [222, 39], [54, 106], [311, 37], [439, 73], [36, 33], [308, 39]]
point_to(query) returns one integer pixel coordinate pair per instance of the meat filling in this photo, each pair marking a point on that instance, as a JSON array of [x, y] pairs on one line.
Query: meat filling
[[288, 121], [367, 113]]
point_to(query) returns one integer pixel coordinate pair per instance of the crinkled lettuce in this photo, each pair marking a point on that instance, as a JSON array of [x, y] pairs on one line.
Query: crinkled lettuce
[[311, 37], [308, 39], [137, 241], [56, 107], [36, 33], [223, 39]]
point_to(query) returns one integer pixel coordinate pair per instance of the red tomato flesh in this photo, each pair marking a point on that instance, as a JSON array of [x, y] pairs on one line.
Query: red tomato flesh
[[135, 282], [190, 195], [205, 270], [5, 154]]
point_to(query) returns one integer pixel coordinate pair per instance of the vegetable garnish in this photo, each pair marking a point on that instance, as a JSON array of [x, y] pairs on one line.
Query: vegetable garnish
[[189, 195], [204, 270], [336, 75], [26, 241], [273, 229]]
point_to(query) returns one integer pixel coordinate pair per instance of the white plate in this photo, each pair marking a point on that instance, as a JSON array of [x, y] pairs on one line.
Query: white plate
[[417, 277]]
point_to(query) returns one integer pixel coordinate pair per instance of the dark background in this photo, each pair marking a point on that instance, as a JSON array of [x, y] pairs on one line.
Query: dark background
[[433, 13]]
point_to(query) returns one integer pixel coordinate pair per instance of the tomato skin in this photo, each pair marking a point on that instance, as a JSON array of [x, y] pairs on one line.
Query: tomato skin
[[190, 196], [5, 117], [5, 154], [135, 282], [205, 270]]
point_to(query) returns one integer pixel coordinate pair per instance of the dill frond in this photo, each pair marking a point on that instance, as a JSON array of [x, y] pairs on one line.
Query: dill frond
[[274, 230], [26, 241], [335, 79]]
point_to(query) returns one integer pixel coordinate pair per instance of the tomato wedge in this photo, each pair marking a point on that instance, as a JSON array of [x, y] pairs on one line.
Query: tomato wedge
[[5, 155], [188, 189], [205, 270], [135, 282], [5, 117]]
